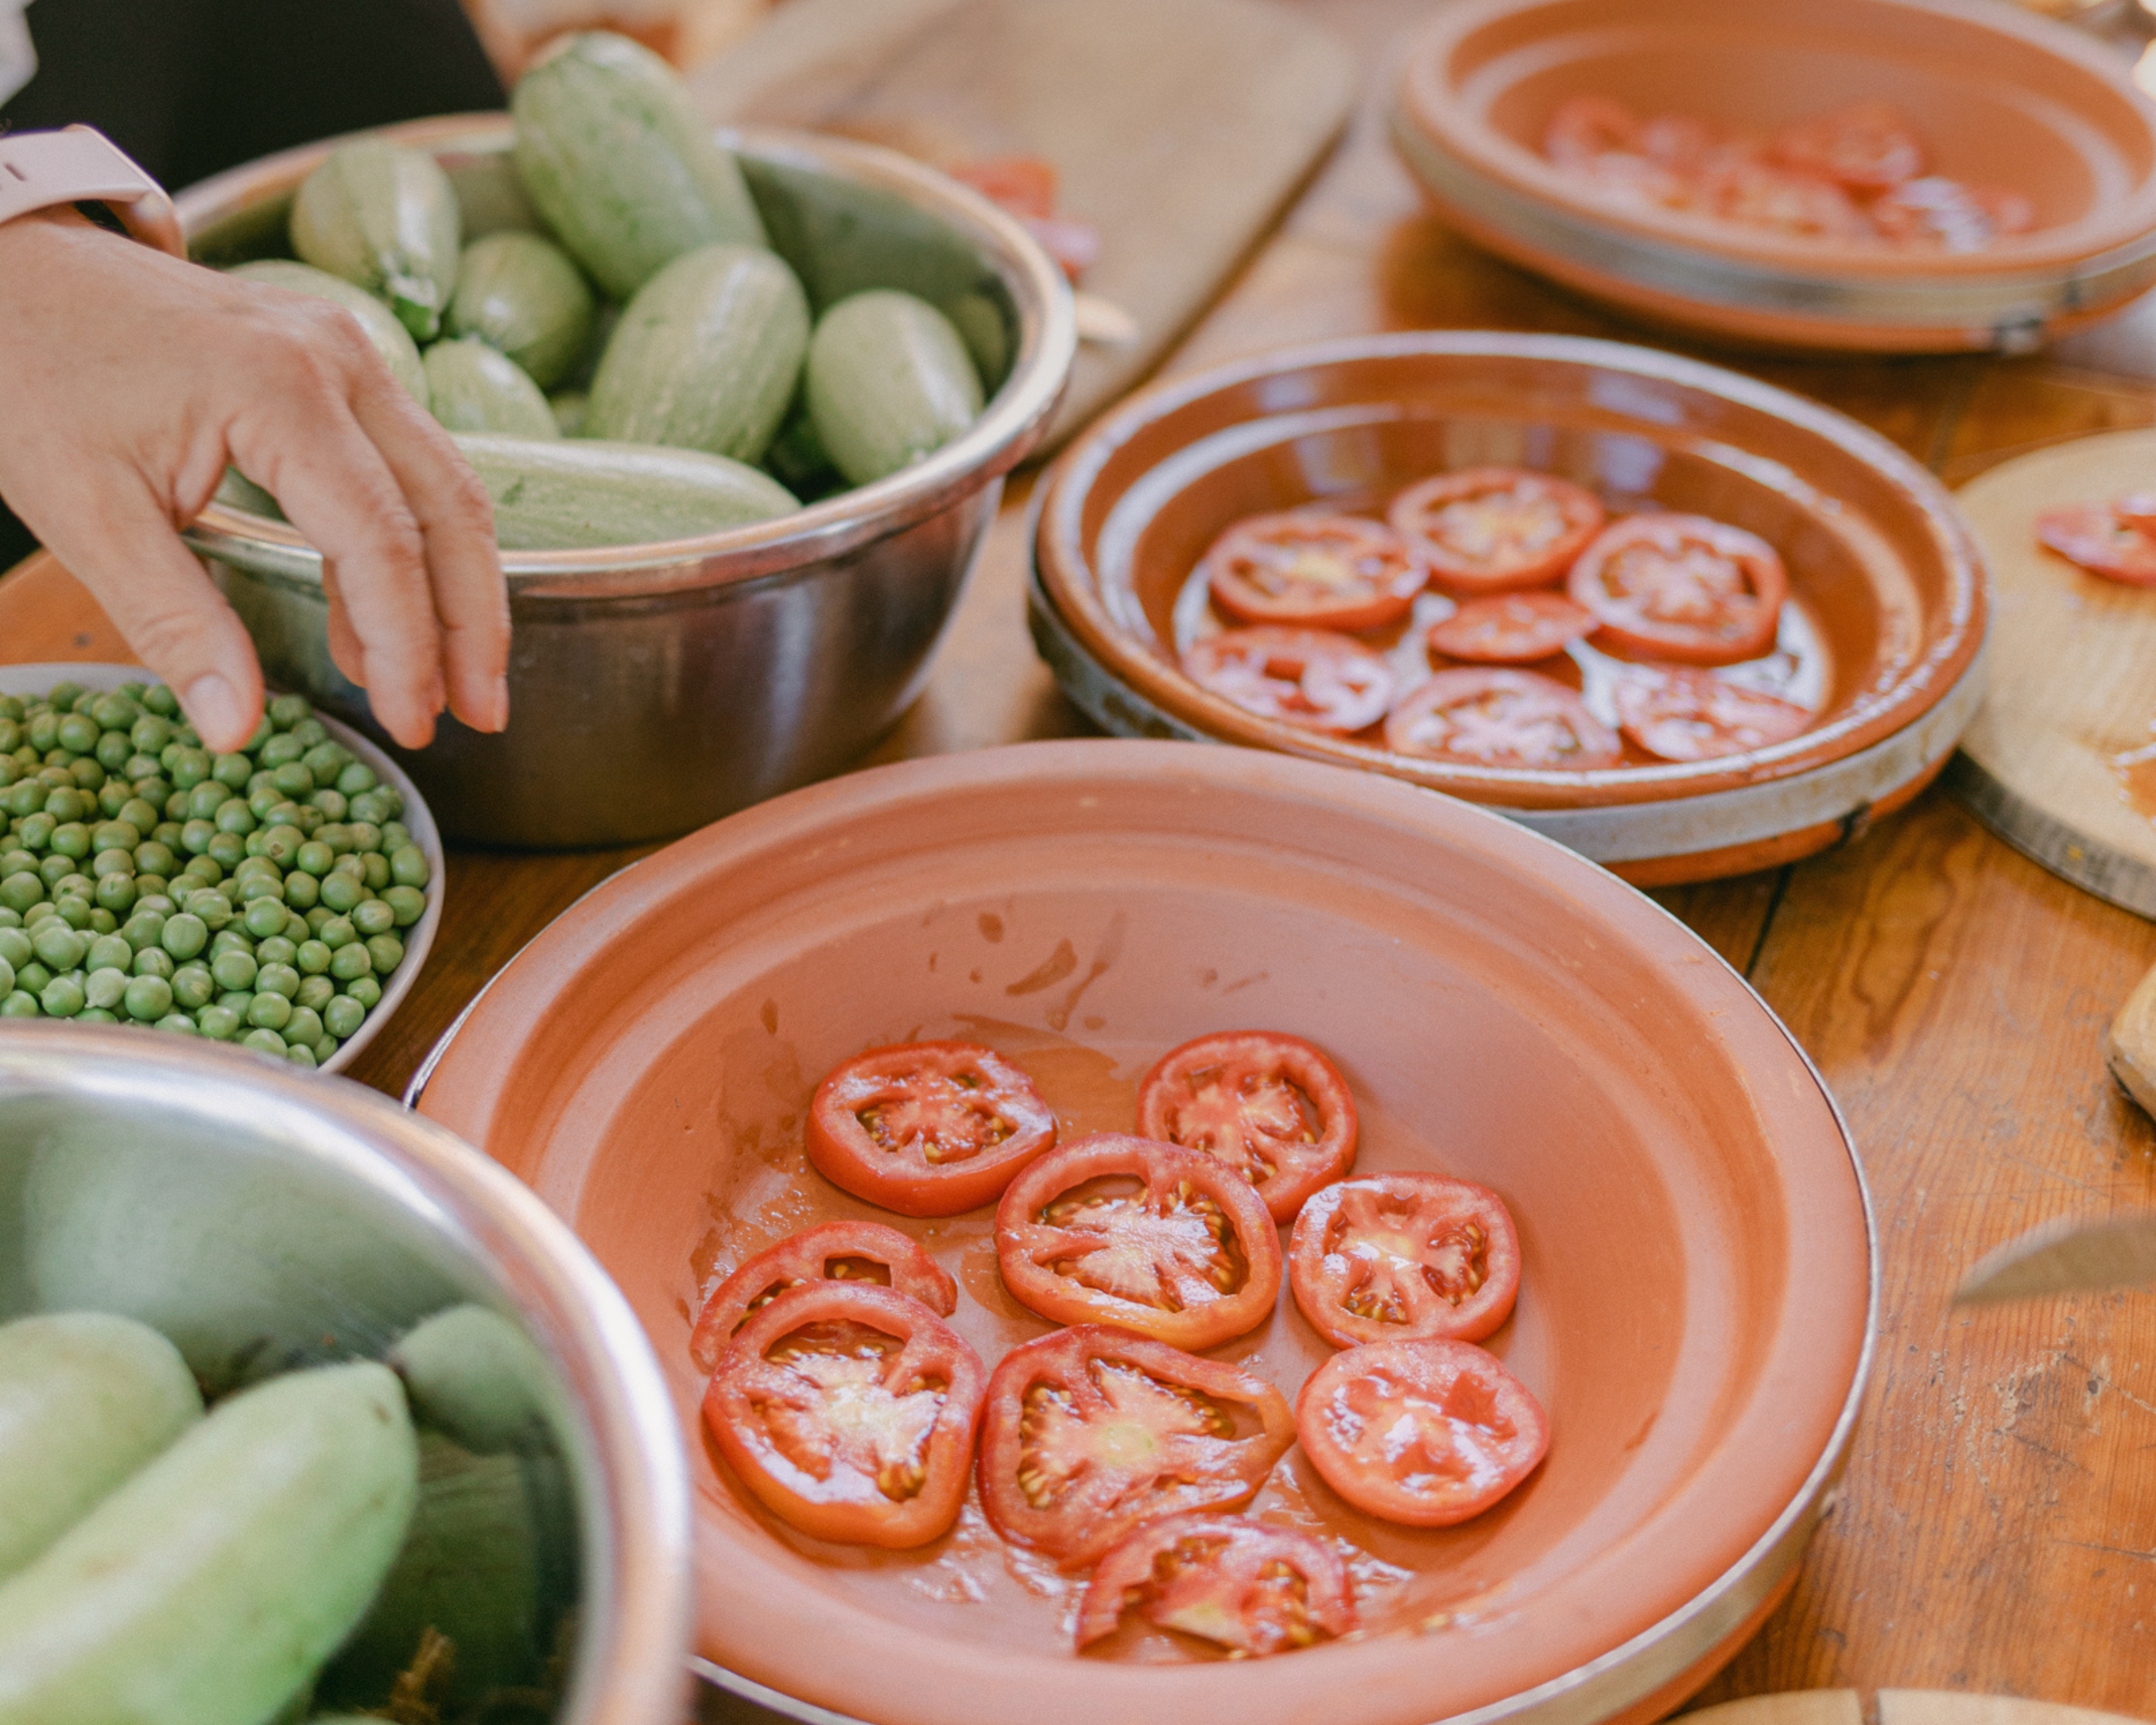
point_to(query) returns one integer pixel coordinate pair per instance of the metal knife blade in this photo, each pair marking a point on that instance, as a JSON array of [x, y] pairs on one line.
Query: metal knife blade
[[2061, 1257]]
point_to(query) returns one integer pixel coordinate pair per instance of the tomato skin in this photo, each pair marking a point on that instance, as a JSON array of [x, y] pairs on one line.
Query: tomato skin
[[1492, 529], [1218, 1576], [1935, 214], [1194, 1218], [1397, 1241], [1749, 193], [1501, 718], [2103, 540], [1682, 588], [1478, 1431], [1153, 1452], [749, 1391], [809, 1256], [944, 1090], [1312, 571], [1510, 628], [1867, 146], [1212, 1094], [1309, 677], [1686, 715]]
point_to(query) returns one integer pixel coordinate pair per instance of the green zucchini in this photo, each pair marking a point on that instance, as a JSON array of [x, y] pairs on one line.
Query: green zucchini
[[569, 406], [888, 380], [383, 216], [620, 163], [706, 356], [475, 1375], [391, 340], [470, 387], [85, 1400], [577, 493], [235, 491], [521, 294], [210, 1588]]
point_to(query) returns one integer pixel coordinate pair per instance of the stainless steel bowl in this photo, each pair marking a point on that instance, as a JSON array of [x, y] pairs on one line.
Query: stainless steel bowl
[[257, 1215], [656, 687]]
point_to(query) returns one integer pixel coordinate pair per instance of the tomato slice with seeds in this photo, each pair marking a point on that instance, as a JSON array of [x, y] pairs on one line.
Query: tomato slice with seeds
[[1489, 529], [1169, 1243], [849, 1410], [1682, 586], [1091, 1431], [1255, 1589], [1585, 128], [2103, 540], [926, 1129], [1511, 628], [1688, 715], [1755, 194], [836, 1251], [1270, 1106], [1404, 1257], [1867, 146], [1312, 571], [1424, 1433], [1500, 719], [1309, 677], [1935, 214]]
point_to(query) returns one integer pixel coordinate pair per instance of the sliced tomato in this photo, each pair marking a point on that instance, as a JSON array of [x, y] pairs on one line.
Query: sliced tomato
[[1309, 677], [1313, 571], [1502, 718], [2137, 510], [1680, 141], [1253, 1588], [1935, 214], [836, 1251], [1025, 185], [1404, 1257], [1582, 129], [1630, 182], [1270, 1106], [1682, 586], [1867, 146], [1755, 194], [1511, 628], [849, 1410], [1091, 1431], [926, 1129], [1425, 1433], [1169, 1243], [2102, 541], [1688, 715], [1490, 529]]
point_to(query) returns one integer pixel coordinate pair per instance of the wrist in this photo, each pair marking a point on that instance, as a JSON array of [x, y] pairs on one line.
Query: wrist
[[43, 170]]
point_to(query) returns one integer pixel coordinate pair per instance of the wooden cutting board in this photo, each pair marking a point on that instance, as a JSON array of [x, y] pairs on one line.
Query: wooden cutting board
[[2072, 679], [1180, 128], [1896, 1707]]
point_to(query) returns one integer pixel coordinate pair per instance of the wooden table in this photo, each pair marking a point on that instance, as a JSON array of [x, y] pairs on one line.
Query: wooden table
[[1997, 1529]]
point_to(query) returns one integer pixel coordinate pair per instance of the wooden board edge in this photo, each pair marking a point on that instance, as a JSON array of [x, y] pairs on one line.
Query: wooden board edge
[[1786, 1707], [2110, 875], [1951, 1707]]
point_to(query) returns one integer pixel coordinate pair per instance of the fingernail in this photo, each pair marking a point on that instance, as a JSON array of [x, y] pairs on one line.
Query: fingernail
[[213, 706]]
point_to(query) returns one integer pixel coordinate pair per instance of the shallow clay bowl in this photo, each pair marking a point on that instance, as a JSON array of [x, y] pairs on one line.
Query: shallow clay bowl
[[1695, 1298], [1999, 97], [1885, 623]]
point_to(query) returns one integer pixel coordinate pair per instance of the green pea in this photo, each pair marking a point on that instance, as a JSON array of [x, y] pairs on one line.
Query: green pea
[[343, 1016], [264, 917], [376, 870], [179, 1023], [294, 779], [408, 866], [253, 867], [195, 837], [338, 890], [89, 778], [303, 1027], [185, 935], [315, 993], [151, 734], [21, 891], [113, 751], [236, 818], [105, 988], [257, 887], [113, 710], [148, 999], [43, 731], [102, 921], [315, 857], [220, 1023], [109, 952], [15, 948], [58, 946], [154, 962], [265, 1039], [395, 837], [35, 832], [276, 950], [7, 979], [14, 918], [372, 807], [330, 805], [154, 858], [296, 927], [236, 1000], [312, 959], [95, 1015], [33, 976], [77, 732], [154, 904], [269, 1012], [144, 928], [265, 798], [117, 893], [277, 980], [300, 1056], [19, 1004], [206, 799], [150, 886], [193, 986], [207, 905], [71, 840], [158, 795], [357, 780], [204, 870], [350, 963], [67, 806], [281, 843], [289, 710], [114, 797], [374, 916], [190, 768], [234, 970], [303, 891], [325, 760], [74, 908], [62, 997], [227, 850], [107, 863], [229, 940]]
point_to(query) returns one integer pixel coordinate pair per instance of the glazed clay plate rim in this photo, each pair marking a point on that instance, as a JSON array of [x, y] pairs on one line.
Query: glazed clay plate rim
[[571, 956], [1432, 107], [37, 678], [1067, 575]]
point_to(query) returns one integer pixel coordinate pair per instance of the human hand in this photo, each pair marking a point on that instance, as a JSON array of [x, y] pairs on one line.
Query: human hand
[[130, 380]]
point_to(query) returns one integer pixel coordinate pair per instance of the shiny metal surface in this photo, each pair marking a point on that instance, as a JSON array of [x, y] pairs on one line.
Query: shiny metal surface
[[656, 687], [306, 1217]]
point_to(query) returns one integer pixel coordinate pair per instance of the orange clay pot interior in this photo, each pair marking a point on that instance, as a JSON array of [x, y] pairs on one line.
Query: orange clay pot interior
[[1694, 1304]]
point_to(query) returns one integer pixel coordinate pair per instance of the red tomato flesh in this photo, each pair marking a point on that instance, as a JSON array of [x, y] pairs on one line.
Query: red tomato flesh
[[2100, 538], [1301, 676], [1867, 146], [1490, 529], [926, 1129], [1511, 628], [1500, 719], [1168, 1242], [1688, 715], [1404, 1257], [1424, 1433], [1090, 1431], [1683, 588], [838, 1251], [1935, 214], [849, 1411], [1312, 571], [1269, 1106], [1749, 193], [1253, 1588]]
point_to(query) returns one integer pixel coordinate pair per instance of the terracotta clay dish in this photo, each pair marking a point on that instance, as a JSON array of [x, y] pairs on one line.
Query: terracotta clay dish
[[1695, 1290], [1880, 638], [1997, 99]]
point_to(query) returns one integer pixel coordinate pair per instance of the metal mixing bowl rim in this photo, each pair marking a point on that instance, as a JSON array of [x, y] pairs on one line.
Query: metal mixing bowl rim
[[1009, 425]]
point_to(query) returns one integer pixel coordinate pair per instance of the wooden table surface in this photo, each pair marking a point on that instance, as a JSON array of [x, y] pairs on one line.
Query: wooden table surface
[[1997, 1528]]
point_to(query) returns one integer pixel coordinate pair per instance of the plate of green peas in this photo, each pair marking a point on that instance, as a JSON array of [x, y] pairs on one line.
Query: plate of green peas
[[282, 898]]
